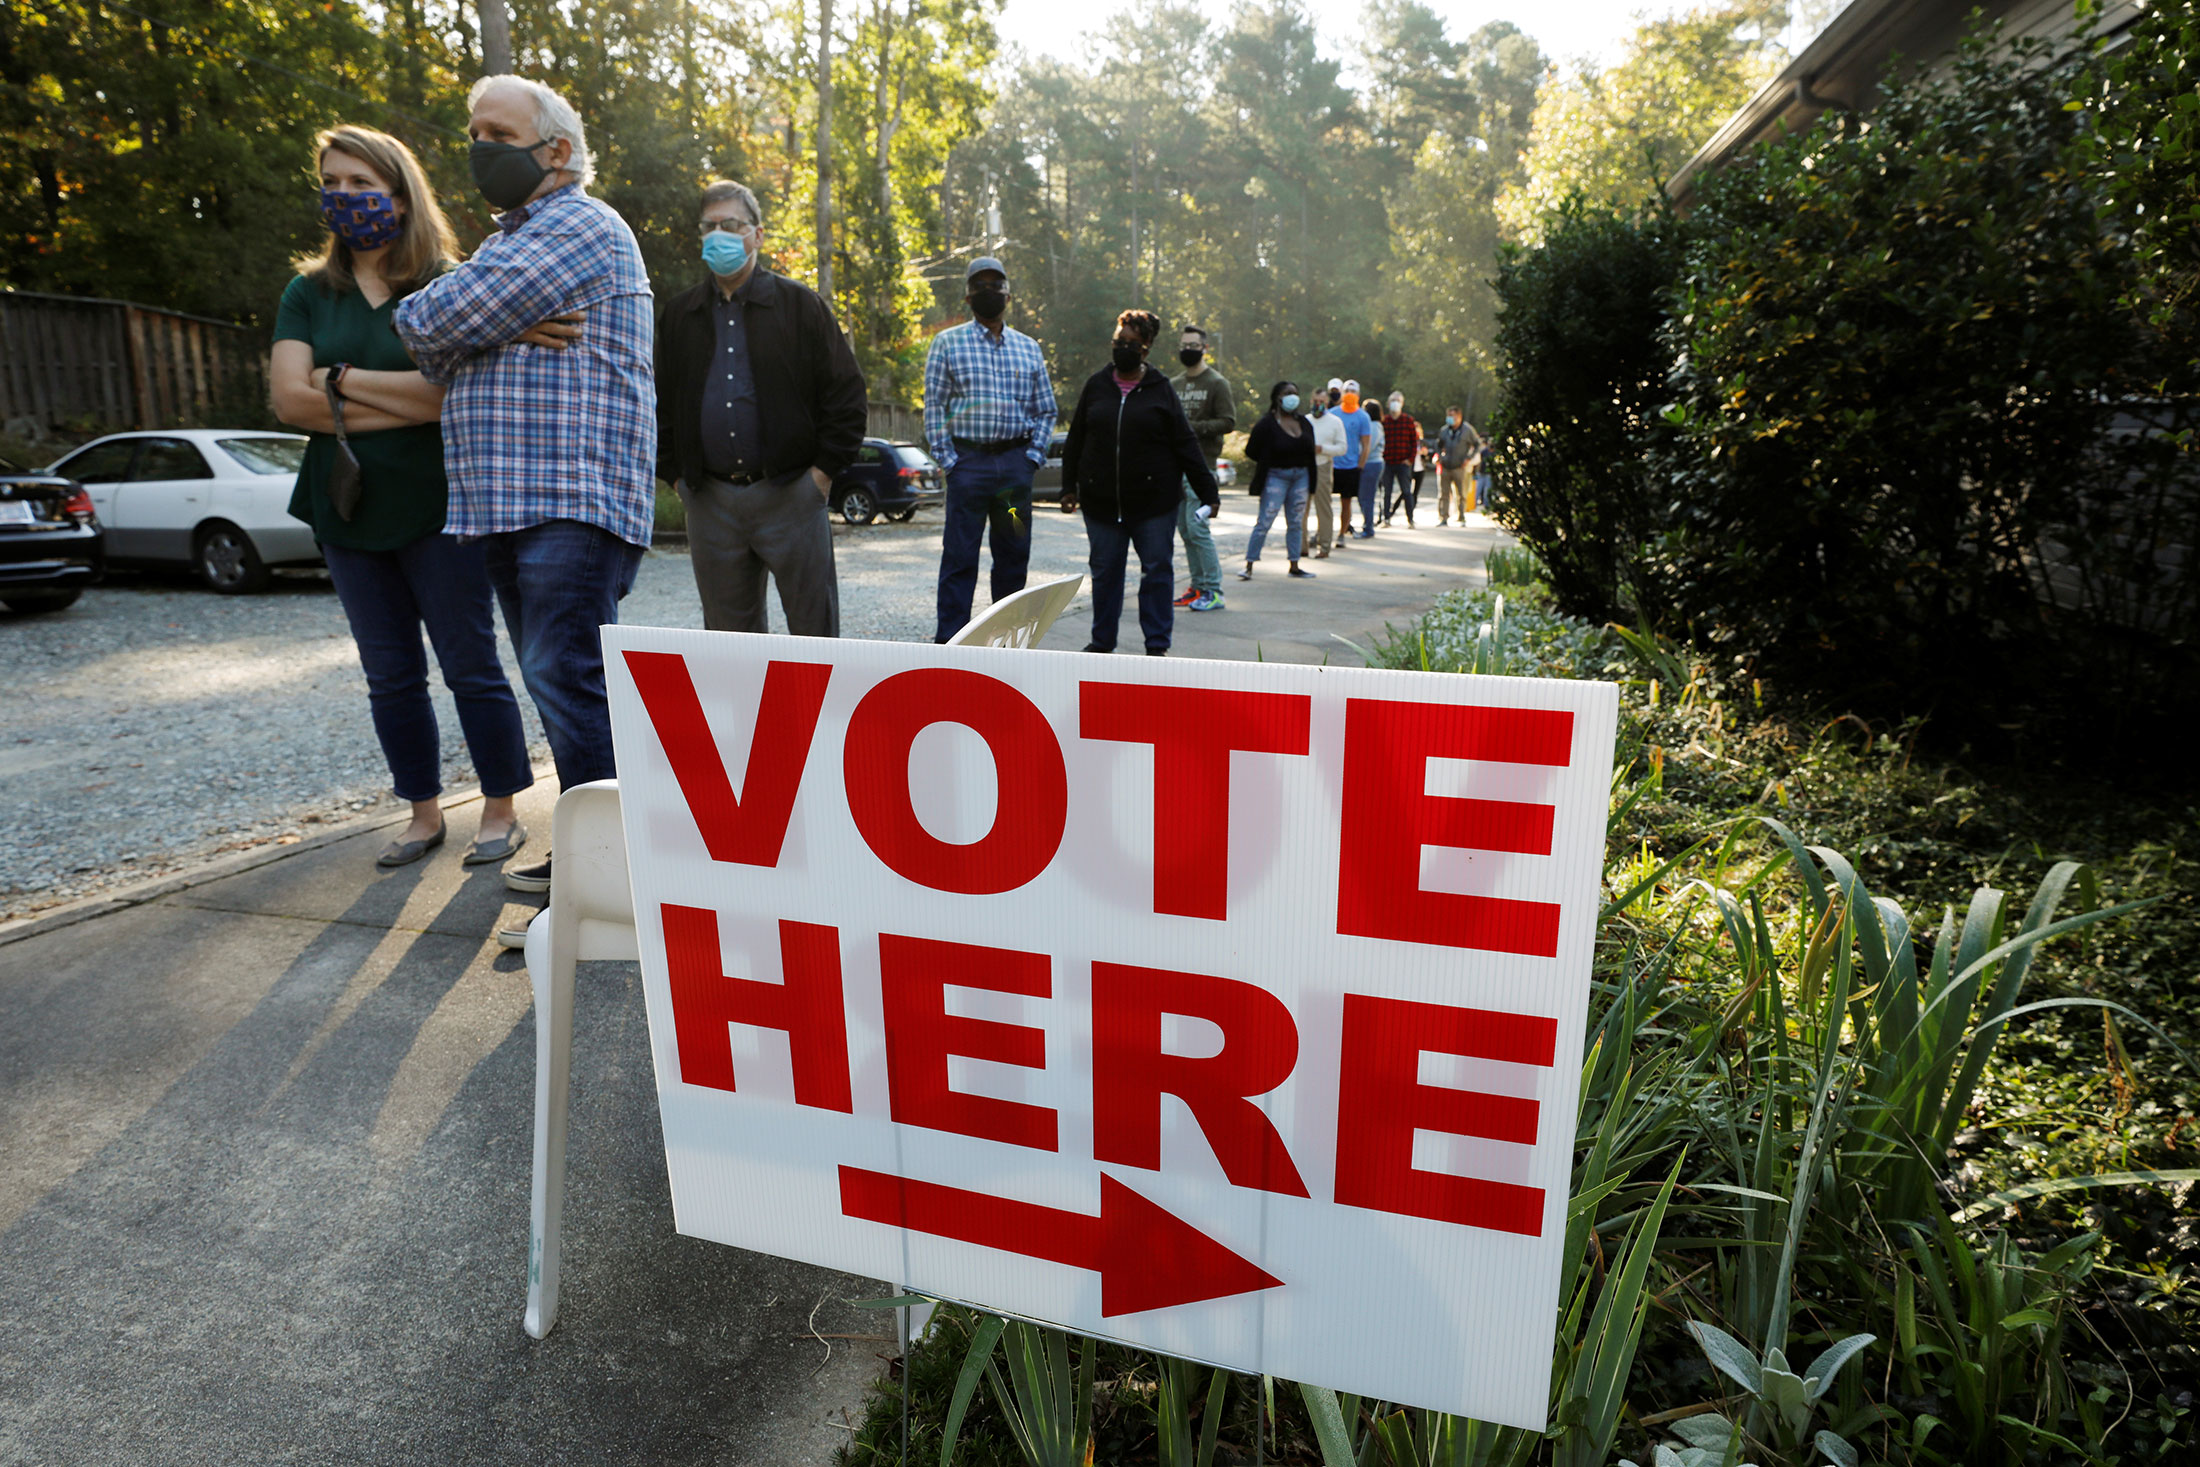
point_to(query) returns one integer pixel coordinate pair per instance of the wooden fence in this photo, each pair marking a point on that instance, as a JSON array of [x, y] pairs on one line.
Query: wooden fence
[[107, 365]]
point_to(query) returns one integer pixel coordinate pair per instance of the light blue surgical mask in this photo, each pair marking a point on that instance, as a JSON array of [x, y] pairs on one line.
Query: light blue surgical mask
[[1290, 402], [724, 253]]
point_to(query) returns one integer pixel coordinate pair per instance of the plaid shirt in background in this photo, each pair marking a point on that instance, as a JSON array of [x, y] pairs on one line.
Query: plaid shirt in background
[[986, 389], [1401, 435], [531, 433]]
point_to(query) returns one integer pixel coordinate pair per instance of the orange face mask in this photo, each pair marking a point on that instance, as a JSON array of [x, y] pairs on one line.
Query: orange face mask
[[1351, 402]]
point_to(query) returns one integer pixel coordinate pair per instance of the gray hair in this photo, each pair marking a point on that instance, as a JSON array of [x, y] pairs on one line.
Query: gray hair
[[554, 119], [718, 190]]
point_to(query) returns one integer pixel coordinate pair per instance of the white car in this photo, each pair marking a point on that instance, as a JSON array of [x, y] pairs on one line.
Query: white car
[[214, 499]]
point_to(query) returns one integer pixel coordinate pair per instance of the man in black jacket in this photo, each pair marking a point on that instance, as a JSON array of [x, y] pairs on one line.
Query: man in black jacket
[[759, 405]]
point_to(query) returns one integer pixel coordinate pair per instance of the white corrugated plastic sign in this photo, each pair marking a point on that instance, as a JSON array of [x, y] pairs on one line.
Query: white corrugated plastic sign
[[1229, 1009]]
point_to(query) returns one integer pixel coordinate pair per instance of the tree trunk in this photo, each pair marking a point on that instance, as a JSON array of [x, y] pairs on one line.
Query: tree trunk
[[496, 38], [825, 148]]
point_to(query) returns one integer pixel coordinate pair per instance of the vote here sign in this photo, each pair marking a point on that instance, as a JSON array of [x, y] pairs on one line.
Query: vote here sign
[[1233, 1010]]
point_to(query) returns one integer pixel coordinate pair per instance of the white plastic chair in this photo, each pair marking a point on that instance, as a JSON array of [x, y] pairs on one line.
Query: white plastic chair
[[590, 917], [1019, 620]]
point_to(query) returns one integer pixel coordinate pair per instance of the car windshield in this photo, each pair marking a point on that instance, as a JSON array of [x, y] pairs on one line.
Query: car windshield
[[914, 457], [266, 455]]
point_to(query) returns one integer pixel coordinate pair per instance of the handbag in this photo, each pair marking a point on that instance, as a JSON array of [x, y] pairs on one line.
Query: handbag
[[343, 475]]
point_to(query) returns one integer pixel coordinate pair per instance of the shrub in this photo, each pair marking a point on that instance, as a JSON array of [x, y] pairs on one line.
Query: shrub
[[1583, 374], [1904, 466]]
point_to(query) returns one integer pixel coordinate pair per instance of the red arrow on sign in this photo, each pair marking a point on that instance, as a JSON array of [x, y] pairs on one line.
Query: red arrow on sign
[[1147, 1258]]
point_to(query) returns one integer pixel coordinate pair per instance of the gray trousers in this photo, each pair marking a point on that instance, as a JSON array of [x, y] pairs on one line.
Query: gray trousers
[[740, 534]]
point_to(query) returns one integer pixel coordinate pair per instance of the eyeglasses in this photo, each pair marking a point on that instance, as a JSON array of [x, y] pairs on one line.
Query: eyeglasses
[[730, 226]]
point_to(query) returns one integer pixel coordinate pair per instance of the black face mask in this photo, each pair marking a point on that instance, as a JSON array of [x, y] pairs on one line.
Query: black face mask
[[989, 303], [1127, 359], [1191, 356], [506, 173]]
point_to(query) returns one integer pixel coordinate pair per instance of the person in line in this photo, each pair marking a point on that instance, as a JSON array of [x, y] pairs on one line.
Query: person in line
[[1344, 399], [395, 570], [551, 451], [1455, 449], [1212, 411], [1401, 447], [1371, 465], [1329, 441], [1282, 445], [1129, 452], [760, 404], [1485, 473], [988, 417]]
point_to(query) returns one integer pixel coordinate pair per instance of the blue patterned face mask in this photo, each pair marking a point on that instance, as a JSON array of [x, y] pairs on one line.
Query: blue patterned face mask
[[362, 221]]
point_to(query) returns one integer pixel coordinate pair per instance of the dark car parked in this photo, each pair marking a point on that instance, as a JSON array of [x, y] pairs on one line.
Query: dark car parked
[[890, 478], [51, 546]]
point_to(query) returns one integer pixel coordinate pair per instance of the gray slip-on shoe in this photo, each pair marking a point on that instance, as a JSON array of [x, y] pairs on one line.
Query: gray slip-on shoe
[[503, 848], [405, 852]]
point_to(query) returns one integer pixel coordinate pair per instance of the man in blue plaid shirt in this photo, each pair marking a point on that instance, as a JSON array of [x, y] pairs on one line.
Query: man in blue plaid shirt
[[988, 416], [550, 423]]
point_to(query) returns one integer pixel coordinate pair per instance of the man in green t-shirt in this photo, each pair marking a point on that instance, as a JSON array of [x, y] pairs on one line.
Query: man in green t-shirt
[[1205, 394]]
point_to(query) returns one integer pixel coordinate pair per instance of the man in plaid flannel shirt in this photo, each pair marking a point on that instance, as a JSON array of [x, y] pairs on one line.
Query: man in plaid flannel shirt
[[988, 417], [550, 425]]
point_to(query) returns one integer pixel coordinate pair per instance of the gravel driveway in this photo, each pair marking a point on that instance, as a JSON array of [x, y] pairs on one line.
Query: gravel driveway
[[156, 723]]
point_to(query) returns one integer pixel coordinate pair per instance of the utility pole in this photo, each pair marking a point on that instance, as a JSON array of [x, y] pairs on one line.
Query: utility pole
[[496, 38], [825, 148]]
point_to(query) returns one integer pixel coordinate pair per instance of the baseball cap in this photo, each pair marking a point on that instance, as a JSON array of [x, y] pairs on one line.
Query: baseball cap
[[982, 264], [1350, 385], [1336, 384]]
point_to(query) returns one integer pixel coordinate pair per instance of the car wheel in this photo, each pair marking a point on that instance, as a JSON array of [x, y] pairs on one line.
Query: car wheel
[[30, 603], [904, 516], [227, 561], [858, 506]]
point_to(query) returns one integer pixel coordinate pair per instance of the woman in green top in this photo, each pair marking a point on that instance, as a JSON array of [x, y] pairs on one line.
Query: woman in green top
[[395, 570]]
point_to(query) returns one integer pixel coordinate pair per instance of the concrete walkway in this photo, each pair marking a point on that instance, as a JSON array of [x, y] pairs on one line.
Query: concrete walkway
[[264, 1150]]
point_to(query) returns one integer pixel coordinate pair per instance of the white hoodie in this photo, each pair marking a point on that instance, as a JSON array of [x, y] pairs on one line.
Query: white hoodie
[[1329, 435]]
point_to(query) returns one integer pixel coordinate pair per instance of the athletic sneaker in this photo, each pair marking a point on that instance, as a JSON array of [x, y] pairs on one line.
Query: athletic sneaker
[[1207, 601], [1302, 574], [1191, 594], [529, 878]]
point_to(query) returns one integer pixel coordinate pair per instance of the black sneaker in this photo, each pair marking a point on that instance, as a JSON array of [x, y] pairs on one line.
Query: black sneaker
[[1304, 575], [1096, 647], [529, 878]]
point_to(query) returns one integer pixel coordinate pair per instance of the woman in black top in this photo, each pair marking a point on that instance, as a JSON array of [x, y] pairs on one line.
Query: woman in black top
[[1129, 451], [1282, 444]]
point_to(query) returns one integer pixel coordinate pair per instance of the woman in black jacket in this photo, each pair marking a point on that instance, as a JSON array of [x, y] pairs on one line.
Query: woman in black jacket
[[1282, 444], [1130, 450]]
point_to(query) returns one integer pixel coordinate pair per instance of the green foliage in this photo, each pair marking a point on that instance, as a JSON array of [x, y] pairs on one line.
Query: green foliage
[[2146, 156], [1904, 402], [1875, 418], [1583, 373], [1614, 136]]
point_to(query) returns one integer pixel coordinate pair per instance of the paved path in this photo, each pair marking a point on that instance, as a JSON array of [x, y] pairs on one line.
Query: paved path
[[265, 1131]]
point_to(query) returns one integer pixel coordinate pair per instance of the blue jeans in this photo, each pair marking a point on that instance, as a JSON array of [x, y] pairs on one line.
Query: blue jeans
[[1485, 493], [1371, 474], [560, 583], [1399, 488], [1155, 537], [1283, 489], [440, 583], [985, 487], [1202, 566]]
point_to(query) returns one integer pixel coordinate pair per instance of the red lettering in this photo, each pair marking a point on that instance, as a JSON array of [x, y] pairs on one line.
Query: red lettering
[[1381, 1102], [1389, 817], [1028, 814], [807, 1005], [1193, 731], [747, 829], [915, 974], [1130, 1074]]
